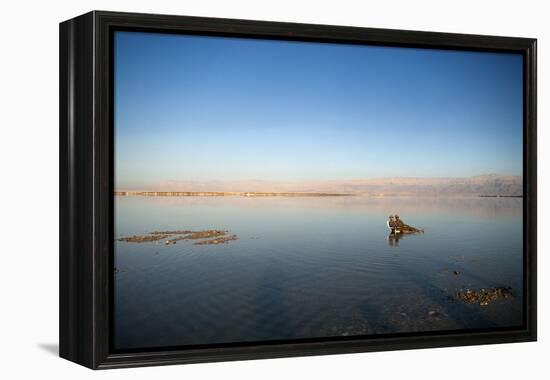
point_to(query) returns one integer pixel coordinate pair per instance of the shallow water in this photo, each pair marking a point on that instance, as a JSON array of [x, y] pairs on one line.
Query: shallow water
[[312, 267]]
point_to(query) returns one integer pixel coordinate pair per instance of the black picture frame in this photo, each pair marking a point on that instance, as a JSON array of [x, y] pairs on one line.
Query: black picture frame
[[86, 186]]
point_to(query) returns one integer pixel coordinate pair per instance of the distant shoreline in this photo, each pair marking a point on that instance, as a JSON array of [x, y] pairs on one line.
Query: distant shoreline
[[226, 194], [485, 186], [500, 196]]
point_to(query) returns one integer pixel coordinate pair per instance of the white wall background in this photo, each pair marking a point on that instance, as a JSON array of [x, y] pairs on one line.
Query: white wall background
[[29, 190]]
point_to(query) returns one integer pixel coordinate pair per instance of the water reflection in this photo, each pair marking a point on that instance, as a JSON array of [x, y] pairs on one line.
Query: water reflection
[[394, 238]]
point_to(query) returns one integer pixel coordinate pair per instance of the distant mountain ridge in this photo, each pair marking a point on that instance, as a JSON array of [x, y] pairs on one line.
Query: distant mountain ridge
[[491, 184]]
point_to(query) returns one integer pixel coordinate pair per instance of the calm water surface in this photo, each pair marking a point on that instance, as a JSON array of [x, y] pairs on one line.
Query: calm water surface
[[311, 267]]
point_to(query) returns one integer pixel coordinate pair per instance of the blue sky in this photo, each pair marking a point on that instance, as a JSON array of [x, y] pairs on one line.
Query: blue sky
[[208, 108]]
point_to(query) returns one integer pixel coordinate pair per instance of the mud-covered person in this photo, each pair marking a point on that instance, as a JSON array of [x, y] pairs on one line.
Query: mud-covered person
[[402, 226], [391, 225]]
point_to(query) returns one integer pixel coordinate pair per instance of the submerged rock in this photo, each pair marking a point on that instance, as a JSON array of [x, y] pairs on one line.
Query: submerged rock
[[436, 315], [219, 240], [484, 297]]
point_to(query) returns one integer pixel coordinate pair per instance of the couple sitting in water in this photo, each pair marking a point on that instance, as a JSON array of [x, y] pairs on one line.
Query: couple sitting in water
[[397, 226]]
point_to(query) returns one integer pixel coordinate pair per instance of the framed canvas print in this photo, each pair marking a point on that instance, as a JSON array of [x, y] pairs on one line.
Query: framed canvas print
[[236, 189]]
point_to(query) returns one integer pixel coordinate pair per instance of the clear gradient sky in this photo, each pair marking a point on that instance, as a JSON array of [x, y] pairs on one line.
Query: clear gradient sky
[[198, 108]]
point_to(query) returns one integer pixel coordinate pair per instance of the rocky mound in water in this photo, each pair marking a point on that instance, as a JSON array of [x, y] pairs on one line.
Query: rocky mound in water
[[143, 238], [484, 297], [206, 237]]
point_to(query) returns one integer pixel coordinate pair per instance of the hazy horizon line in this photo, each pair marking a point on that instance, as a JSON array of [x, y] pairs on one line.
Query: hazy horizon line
[[488, 175]]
